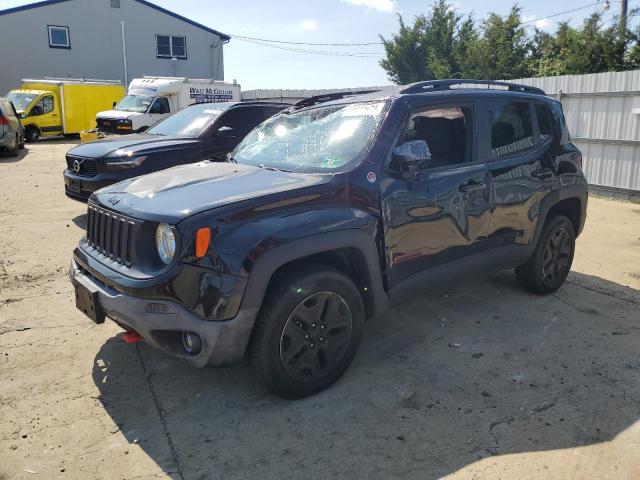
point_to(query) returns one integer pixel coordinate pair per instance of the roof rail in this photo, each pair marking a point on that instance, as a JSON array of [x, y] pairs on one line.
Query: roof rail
[[439, 85], [328, 97]]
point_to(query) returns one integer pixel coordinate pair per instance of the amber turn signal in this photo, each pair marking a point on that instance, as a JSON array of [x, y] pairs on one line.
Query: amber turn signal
[[203, 240]]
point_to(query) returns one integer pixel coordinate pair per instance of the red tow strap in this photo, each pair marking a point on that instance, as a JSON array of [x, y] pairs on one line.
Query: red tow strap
[[132, 337]]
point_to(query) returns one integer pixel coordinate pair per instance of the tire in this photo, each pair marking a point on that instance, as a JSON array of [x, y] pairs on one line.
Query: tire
[[308, 331], [32, 134], [548, 267], [14, 151]]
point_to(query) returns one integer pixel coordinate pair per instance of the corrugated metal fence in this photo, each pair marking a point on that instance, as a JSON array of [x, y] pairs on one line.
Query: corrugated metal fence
[[602, 111]]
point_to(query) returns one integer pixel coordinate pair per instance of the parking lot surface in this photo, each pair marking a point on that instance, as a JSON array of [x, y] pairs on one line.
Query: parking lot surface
[[479, 380]]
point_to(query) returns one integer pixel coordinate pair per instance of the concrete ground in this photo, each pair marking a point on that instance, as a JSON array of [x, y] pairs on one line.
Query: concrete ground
[[482, 380]]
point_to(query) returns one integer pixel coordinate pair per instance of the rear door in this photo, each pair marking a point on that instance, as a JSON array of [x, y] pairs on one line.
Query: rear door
[[518, 152], [441, 214], [242, 120]]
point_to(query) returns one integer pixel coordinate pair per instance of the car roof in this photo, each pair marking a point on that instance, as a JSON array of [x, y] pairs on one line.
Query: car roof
[[229, 105], [468, 89]]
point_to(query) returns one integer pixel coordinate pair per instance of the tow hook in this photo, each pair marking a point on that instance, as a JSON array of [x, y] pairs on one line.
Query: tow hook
[[131, 336]]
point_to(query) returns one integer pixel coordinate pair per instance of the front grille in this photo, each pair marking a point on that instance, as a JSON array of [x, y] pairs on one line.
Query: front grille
[[85, 167], [110, 234]]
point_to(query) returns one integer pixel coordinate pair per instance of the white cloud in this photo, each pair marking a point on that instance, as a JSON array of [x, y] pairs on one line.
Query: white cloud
[[308, 24], [380, 5], [542, 24]]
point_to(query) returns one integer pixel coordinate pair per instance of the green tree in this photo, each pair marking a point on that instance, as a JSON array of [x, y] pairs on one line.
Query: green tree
[[433, 47], [501, 51], [441, 44]]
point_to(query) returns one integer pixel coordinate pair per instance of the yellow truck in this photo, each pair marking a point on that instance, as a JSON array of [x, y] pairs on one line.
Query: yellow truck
[[57, 106]]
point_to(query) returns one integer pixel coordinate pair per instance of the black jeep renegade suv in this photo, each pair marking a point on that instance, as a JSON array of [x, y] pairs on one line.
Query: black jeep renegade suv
[[328, 214]]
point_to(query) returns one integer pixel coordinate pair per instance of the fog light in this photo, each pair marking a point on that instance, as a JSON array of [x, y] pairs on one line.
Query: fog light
[[191, 342]]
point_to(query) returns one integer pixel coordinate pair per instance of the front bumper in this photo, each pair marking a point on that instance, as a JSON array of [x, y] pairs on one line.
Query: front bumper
[[223, 342], [81, 188]]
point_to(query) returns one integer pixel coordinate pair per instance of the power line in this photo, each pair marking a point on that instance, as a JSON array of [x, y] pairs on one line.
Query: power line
[[315, 52], [307, 43], [563, 13]]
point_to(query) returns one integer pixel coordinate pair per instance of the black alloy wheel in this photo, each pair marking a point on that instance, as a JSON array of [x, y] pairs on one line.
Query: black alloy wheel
[[547, 268], [557, 255], [316, 336], [308, 330]]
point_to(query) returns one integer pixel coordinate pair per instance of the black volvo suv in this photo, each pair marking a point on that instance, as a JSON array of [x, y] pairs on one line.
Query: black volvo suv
[[195, 133], [326, 215]]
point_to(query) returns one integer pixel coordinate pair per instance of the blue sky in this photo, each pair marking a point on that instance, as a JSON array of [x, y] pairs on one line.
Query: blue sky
[[330, 21]]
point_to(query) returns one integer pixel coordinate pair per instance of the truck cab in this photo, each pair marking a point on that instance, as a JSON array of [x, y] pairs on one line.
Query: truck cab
[[150, 99], [39, 111]]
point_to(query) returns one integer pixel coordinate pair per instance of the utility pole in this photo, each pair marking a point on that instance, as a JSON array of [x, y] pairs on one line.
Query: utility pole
[[623, 20]]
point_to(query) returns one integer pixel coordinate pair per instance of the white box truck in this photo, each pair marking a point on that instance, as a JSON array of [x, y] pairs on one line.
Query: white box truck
[[150, 99]]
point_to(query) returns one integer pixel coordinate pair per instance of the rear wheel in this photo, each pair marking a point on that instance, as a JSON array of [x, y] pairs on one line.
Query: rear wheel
[[551, 261], [307, 333], [13, 151]]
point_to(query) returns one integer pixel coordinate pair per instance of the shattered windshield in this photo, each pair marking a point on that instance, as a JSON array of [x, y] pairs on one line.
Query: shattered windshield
[[317, 140]]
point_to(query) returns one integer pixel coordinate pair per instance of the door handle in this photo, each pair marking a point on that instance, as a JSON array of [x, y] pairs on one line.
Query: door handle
[[542, 173], [472, 187]]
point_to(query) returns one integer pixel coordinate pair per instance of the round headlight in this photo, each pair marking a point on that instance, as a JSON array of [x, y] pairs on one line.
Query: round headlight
[[165, 243]]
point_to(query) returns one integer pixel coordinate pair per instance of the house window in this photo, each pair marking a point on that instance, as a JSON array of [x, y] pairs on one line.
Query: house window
[[115, 3], [58, 36], [168, 46]]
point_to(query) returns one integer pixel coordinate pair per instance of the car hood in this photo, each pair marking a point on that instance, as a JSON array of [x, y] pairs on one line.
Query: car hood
[[116, 114], [131, 143], [179, 192]]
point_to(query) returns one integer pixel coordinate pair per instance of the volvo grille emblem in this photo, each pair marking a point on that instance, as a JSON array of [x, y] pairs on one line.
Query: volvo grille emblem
[[113, 200], [77, 164]]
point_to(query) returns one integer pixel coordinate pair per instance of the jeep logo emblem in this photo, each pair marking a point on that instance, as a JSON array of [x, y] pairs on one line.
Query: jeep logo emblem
[[77, 164]]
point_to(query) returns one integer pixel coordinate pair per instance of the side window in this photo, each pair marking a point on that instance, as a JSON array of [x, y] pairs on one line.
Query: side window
[[545, 124], [45, 105], [242, 120], [160, 105], [447, 131], [511, 130]]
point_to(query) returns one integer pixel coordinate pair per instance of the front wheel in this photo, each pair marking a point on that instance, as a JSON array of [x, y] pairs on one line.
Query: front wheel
[[32, 134], [551, 261], [307, 333]]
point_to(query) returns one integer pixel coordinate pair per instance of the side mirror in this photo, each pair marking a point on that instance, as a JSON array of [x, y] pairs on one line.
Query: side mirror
[[411, 156], [226, 132]]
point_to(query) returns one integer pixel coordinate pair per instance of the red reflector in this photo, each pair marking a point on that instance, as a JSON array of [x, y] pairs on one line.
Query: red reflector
[[203, 240], [4, 120], [132, 337]]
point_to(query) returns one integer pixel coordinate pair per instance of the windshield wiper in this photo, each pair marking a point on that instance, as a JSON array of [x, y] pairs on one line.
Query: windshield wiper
[[273, 169]]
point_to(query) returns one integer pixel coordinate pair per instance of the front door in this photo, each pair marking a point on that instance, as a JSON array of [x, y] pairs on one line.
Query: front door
[[45, 114], [440, 214]]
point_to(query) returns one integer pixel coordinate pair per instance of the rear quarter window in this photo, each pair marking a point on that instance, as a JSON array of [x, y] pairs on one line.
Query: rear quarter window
[[545, 122], [511, 128]]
